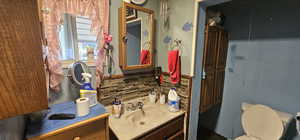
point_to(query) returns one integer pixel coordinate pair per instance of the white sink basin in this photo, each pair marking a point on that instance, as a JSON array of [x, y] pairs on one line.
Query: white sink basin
[[133, 124], [145, 116]]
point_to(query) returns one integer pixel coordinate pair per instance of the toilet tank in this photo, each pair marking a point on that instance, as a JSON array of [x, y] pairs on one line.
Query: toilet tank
[[285, 117]]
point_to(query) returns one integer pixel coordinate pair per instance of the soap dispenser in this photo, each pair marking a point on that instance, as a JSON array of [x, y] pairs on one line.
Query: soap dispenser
[[116, 108]]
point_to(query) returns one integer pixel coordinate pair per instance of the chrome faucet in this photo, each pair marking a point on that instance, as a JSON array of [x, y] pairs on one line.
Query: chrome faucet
[[140, 106], [133, 107], [130, 107]]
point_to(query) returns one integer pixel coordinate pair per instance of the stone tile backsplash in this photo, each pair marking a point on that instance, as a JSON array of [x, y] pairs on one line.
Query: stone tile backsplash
[[140, 85]]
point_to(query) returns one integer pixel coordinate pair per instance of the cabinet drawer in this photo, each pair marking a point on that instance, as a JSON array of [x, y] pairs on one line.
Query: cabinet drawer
[[178, 136], [95, 130]]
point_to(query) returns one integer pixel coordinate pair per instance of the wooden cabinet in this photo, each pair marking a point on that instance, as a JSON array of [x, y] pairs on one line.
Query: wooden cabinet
[[92, 129], [173, 130], [22, 77], [214, 63]]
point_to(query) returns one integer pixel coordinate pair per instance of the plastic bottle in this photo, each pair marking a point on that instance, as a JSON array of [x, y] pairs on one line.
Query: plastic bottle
[[173, 100], [87, 90], [87, 84]]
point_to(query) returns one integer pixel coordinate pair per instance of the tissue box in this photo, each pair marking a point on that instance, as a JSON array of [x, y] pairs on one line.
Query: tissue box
[[91, 94]]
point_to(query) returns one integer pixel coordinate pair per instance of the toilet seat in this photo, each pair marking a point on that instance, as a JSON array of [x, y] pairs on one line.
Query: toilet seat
[[261, 123], [246, 138]]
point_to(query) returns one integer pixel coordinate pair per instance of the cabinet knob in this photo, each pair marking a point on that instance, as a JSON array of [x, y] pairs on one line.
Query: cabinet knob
[[77, 138]]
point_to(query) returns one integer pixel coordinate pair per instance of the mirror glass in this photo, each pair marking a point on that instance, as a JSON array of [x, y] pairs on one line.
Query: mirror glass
[[76, 72], [138, 33]]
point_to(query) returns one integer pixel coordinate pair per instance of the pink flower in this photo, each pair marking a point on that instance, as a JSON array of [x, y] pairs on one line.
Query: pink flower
[[107, 38]]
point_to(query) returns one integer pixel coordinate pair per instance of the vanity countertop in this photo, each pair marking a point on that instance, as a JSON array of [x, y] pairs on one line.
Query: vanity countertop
[[46, 126], [135, 124]]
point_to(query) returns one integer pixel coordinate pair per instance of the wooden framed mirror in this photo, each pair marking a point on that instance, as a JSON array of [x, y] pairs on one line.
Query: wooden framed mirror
[[136, 31]]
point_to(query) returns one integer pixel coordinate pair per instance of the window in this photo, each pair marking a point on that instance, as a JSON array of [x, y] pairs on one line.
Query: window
[[77, 43]]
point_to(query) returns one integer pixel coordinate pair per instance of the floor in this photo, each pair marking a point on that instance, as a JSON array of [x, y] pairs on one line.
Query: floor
[[206, 134]]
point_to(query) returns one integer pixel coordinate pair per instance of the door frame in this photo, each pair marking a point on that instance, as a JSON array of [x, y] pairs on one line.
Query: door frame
[[196, 64]]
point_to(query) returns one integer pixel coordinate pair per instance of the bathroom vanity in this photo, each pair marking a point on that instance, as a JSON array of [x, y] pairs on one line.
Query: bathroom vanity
[[93, 126], [153, 122]]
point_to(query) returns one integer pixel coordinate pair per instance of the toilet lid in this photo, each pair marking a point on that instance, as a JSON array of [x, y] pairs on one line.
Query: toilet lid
[[262, 122]]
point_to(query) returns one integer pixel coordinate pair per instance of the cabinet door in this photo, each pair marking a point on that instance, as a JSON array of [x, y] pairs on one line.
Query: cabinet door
[[22, 77], [219, 85], [222, 50], [214, 63], [96, 130], [207, 91], [210, 48], [170, 131], [221, 65], [209, 67]]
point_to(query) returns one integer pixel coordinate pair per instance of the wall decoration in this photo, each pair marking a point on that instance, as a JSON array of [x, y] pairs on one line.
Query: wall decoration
[[146, 33], [187, 26], [164, 13], [167, 40], [131, 14]]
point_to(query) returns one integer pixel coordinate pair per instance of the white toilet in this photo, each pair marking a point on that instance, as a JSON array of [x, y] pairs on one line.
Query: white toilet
[[261, 122]]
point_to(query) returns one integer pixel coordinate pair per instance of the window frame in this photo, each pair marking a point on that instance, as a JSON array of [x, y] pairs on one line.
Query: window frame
[[71, 35]]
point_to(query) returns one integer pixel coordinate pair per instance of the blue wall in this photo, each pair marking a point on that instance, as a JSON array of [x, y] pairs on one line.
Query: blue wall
[[263, 63]]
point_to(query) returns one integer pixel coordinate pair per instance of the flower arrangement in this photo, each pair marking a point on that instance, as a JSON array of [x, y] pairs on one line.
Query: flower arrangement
[[108, 48], [107, 38]]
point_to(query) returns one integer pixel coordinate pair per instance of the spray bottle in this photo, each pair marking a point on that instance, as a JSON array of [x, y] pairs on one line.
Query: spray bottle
[[87, 84], [87, 90]]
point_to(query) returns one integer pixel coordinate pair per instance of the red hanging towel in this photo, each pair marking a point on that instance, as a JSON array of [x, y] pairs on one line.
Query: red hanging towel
[[174, 64], [145, 59]]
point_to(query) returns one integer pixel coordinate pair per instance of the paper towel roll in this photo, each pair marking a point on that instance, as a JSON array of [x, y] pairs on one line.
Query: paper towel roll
[[83, 106]]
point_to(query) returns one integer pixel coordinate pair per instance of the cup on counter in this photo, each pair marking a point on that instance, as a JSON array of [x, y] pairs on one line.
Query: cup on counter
[[152, 97], [162, 99]]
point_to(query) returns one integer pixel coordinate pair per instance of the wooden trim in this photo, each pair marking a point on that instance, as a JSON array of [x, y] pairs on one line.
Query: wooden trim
[[176, 135], [133, 67], [194, 41], [121, 42], [118, 76], [122, 35], [189, 108], [182, 75], [107, 128], [82, 123], [125, 4], [39, 2]]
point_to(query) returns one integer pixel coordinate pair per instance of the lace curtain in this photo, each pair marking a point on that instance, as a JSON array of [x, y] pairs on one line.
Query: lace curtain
[[96, 10]]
